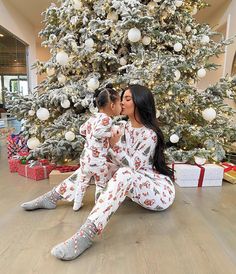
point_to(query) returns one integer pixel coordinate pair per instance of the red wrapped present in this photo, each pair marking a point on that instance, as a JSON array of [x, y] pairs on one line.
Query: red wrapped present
[[37, 172], [15, 144], [13, 164]]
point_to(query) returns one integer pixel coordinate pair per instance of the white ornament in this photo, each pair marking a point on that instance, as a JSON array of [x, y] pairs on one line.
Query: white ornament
[[93, 83], [33, 142], [157, 1], [134, 35], [199, 160], [62, 58], [70, 136], [178, 47], [177, 75], [61, 78], [31, 112], [146, 40], [201, 73], [65, 104], [205, 39], [188, 29], [74, 20], [50, 71], [174, 138], [77, 4], [123, 61], [113, 16], [89, 43], [178, 3], [158, 113], [209, 114], [42, 114], [194, 11]]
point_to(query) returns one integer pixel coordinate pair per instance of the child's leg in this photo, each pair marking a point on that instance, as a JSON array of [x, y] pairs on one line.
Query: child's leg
[[83, 182], [101, 177]]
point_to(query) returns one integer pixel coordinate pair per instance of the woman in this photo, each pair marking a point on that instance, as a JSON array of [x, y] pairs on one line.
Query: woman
[[142, 173]]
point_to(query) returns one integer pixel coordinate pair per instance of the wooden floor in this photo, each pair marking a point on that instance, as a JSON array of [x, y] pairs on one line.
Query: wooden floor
[[196, 235]]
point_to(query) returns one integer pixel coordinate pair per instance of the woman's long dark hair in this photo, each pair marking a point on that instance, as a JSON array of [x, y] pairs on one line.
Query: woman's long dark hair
[[145, 107]]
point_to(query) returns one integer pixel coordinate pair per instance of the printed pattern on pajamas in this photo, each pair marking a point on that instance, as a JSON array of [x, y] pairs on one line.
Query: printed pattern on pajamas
[[93, 161], [135, 178]]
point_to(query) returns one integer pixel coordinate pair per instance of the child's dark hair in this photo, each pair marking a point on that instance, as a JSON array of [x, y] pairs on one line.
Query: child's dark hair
[[105, 95]]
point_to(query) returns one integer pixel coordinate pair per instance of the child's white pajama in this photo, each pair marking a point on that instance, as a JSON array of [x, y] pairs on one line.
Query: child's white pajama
[[97, 130]]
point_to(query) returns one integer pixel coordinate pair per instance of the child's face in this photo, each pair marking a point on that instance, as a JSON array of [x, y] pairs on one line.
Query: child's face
[[116, 107]]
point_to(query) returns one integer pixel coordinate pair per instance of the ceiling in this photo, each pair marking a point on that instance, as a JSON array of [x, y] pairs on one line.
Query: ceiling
[[31, 9]]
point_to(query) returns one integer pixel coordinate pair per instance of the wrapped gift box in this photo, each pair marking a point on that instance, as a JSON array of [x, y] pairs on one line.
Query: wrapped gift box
[[15, 144], [13, 164], [38, 172], [198, 176], [229, 172], [56, 177]]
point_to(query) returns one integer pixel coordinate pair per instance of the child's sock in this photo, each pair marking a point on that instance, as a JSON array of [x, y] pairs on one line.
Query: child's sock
[[77, 244], [46, 201]]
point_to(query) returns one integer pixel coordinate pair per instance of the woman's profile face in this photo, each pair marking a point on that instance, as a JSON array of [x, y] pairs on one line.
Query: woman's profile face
[[127, 104]]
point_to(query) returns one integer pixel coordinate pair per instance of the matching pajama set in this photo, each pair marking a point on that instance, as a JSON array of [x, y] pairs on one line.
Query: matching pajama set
[[130, 175]]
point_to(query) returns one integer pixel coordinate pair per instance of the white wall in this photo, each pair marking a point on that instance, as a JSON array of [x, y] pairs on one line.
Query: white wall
[[14, 22]]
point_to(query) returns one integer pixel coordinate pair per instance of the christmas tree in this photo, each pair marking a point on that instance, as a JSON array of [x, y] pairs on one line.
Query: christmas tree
[[155, 43]]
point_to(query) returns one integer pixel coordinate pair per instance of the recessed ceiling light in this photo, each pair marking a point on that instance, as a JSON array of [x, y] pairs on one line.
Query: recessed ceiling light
[[1, 35]]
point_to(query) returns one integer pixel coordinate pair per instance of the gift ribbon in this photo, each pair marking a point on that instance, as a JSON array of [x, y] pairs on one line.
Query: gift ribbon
[[228, 167], [202, 172]]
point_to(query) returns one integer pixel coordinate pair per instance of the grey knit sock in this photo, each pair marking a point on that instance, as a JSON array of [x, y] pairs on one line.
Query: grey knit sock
[[77, 244], [46, 201]]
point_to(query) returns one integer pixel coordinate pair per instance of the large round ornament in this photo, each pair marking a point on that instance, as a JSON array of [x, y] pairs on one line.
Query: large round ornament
[[205, 39], [70, 136], [134, 35], [178, 47], [93, 83], [174, 138], [33, 142], [62, 58], [201, 73], [123, 61], [209, 114], [77, 4], [65, 103], [42, 114]]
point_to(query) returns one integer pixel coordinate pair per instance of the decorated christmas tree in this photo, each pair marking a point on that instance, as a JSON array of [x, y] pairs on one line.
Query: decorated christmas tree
[[156, 43]]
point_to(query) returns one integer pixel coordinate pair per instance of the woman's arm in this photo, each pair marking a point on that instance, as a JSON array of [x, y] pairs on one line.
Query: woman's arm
[[138, 156]]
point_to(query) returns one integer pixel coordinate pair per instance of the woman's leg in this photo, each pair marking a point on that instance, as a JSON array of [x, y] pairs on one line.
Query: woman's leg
[[124, 183], [109, 201]]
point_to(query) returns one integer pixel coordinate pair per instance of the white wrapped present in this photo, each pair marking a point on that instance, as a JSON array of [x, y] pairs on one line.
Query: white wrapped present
[[198, 176]]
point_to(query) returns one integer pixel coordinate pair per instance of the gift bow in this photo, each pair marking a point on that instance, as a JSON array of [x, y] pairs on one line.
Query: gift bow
[[228, 167]]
